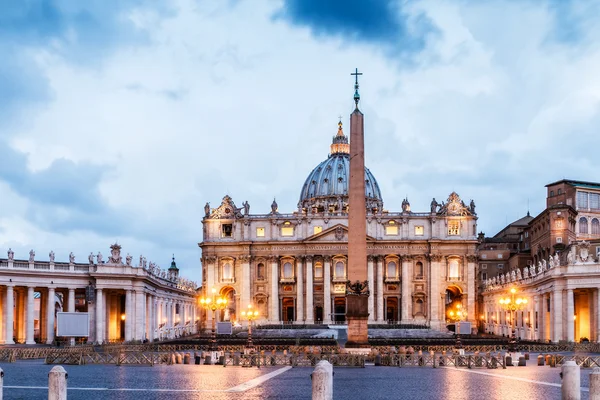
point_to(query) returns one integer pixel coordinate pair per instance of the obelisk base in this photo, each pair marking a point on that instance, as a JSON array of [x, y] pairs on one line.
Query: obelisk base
[[357, 315]]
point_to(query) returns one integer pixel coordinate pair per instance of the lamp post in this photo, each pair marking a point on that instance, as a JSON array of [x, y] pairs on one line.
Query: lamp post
[[513, 304], [213, 303], [457, 315], [250, 315]]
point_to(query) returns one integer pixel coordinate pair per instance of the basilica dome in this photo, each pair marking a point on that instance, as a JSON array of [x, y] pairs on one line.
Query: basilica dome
[[327, 185]]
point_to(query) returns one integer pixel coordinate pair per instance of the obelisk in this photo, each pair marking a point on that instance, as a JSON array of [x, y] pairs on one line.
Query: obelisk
[[357, 288]]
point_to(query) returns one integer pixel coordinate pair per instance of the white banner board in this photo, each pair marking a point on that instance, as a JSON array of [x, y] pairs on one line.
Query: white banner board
[[72, 324]]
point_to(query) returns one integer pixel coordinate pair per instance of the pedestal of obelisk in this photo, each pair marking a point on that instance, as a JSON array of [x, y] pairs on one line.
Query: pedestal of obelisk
[[357, 290]]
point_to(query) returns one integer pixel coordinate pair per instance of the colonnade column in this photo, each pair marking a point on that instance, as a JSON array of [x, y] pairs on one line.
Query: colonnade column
[[327, 290], [557, 315], [570, 316], [598, 315], [274, 299], [140, 314], [50, 320], [10, 310], [300, 291], [380, 289], [30, 317], [128, 315], [99, 317], [310, 310], [371, 289], [535, 325], [406, 299]]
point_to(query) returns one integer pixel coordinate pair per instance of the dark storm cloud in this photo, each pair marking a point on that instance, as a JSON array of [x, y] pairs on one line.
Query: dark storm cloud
[[382, 22]]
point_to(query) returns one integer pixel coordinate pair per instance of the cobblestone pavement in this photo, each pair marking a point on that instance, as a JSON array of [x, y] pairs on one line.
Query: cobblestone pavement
[[29, 379]]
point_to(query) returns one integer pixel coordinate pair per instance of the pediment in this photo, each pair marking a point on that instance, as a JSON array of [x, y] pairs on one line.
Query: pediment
[[337, 233]]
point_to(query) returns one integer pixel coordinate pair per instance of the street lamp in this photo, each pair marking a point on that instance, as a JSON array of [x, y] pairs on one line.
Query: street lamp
[[457, 315], [513, 304], [213, 303], [250, 315]]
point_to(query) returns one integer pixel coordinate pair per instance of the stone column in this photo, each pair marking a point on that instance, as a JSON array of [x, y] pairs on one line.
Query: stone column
[[380, 289], [371, 289], [140, 315], [71, 300], [435, 275], [597, 304], [274, 298], [310, 309], [128, 315], [99, 316], [533, 320], [2, 316], [30, 317], [299, 291], [327, 290], [50, 319], [245, 284], [148, 323], [470, 272], [570, 316], [406, 292], [557, 315], [10, 311]]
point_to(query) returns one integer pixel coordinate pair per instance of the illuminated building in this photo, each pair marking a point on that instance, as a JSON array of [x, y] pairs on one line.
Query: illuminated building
[[293, 266]]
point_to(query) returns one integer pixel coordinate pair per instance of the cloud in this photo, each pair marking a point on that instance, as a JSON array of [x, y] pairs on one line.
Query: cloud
[[214, 98], [388, 23]]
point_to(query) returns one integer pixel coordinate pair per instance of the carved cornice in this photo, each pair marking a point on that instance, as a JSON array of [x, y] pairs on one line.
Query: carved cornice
[[371, 258], [245, 258], [436, 257], [210, 259], [309, 258], [471, 258], [327, 259]]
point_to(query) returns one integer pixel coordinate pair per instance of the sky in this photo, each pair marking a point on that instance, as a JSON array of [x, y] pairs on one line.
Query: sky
[[120, 119]]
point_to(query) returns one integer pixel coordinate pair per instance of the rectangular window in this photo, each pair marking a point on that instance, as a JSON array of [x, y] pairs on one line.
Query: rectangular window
[[287, 229], [500, 266], [317, 229], [594, 201], [536, 320], [453, 228], [499, 255], [582, 200], [419, 231], [484, 276], [391, 230], [260, 232], [226, 230], [551, 193], [559, 239], [318, 271], [484, 256], [483, 266]]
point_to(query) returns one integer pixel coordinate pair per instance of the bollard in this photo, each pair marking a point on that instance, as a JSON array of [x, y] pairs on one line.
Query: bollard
[[548, 357], [1, 382], [522, 362], [322, 381], [594, 384], [186, 358], [570, 381], [540, 360], [378, 360], [526, 356], [197, 359], [553, 361], [178, 358], [208, 360], [57, 383], [508, 361]]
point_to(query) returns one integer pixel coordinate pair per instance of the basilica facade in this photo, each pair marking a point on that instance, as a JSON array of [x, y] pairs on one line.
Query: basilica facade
[[293, 266]]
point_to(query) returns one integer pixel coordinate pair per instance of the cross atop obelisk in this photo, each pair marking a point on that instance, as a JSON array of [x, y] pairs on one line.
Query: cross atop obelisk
[[357, 288], [356, 94]]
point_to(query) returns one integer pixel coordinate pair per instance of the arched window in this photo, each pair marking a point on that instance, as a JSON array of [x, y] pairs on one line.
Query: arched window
[[392, 270], [453, 269], [419, 269], [227, 271], [583, 225], [318, 271], [288, 270], [340, 270], [260, 271], [595, 227]]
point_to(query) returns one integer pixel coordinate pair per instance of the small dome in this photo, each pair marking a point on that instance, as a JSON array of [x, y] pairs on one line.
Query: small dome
[[327, 184]]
